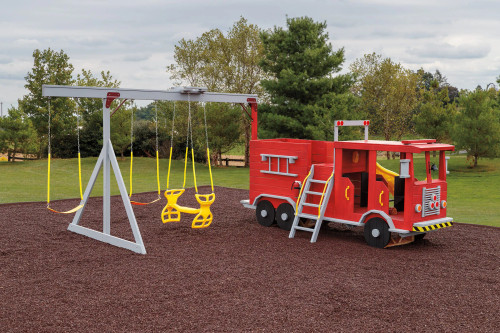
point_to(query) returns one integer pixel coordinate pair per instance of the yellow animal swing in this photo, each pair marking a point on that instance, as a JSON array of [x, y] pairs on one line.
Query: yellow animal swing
[[75, 209], [133, 202], [172, 211]]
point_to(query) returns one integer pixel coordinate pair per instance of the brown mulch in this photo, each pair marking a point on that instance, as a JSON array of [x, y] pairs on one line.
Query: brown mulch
[[238, 276]]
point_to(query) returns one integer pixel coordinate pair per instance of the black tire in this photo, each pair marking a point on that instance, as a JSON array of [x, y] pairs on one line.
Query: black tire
[[265, 213], [420, 237], [285, 215], [377, 233]]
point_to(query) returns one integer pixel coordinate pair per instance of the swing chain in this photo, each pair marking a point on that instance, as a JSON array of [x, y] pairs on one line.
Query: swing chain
[[172, 134], [132, 127], [78, 123], [191, 128], [205, 116], [189, 121], [156, 123], [49, 145]]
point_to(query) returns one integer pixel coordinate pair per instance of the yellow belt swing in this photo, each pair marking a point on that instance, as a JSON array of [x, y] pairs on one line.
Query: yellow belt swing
[[133, 202], [75, 209], [172, 211]]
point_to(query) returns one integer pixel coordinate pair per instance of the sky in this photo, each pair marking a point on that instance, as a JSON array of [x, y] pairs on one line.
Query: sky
[[135, 40]]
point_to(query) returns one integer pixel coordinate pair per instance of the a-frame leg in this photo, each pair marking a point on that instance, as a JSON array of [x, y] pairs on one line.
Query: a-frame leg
[[108, 156]]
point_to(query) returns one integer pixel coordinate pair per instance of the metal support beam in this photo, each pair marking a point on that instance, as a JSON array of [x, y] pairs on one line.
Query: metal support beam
[[197, 95]]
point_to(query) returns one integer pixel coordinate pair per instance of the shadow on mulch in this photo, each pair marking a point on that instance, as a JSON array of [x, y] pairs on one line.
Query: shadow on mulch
[[237, 276]]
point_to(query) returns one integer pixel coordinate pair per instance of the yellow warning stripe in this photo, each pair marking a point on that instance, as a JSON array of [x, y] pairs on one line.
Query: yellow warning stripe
[[433, 227]]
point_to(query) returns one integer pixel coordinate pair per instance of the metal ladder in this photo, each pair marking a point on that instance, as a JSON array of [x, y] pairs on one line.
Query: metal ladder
[[302, 203]]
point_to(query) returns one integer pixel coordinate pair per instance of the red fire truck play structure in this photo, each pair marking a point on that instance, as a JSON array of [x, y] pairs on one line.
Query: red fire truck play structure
[[294, 181]]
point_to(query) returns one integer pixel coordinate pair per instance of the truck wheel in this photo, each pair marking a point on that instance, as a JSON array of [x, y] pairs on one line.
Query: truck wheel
[[265, 213], [377, 233], [420, 237], [285, 216]]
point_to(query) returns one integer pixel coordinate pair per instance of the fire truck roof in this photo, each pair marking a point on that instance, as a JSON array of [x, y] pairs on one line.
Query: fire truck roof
[[405, 146]]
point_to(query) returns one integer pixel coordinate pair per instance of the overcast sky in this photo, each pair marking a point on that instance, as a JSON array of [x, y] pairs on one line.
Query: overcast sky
[[135, 39]]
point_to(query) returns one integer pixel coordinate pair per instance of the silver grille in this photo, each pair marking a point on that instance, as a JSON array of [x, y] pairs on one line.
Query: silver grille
[[428, 198]]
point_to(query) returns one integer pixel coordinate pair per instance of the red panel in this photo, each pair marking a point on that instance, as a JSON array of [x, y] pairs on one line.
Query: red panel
[[414, 197], [382, 197], [344, 199], [277, 184], [354, 161]]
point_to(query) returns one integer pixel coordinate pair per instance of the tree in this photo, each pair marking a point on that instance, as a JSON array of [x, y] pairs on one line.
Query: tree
[[435, 117], [428, 81], [477, 125], [121, 131], [223, 63], [303, 92], [16, 134], [91, 112], [223, 132], [50, 67], [388, 94]]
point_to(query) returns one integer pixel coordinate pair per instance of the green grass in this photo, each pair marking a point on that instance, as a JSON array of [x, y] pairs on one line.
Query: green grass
[[237, 150], [27, 181], [473, 194]]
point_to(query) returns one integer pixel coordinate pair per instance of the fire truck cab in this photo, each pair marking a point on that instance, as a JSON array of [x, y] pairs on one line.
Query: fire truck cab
[[299, 184]]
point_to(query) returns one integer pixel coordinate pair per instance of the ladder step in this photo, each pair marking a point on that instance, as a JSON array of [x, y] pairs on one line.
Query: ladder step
[[310, 204], [308, 216], [312, 192], [304, 229], [317, 181]]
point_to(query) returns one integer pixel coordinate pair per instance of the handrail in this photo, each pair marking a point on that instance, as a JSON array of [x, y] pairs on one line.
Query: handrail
[[323, 194], [300, 192]]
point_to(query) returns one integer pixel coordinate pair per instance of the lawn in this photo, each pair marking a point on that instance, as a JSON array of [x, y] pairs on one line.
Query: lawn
[[473, 195], [27, 181]]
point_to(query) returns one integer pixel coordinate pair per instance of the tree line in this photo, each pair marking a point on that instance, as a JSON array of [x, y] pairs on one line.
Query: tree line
[[295, 71]]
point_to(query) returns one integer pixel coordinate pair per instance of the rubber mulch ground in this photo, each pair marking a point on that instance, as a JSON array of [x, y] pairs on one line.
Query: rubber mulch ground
[[238, 276]]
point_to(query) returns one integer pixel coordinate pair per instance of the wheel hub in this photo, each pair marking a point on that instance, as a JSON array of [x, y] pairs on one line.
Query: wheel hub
[[375, 233], [284, 216], [263, 213]]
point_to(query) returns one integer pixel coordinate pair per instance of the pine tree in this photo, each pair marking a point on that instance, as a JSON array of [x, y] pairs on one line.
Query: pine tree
[[305, 97]]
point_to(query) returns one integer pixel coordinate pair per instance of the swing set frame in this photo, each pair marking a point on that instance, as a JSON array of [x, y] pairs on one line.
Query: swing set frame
[[107, 157]]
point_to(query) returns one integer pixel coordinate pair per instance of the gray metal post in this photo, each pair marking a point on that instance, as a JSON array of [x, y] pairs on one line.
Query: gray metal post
[[106, 190]]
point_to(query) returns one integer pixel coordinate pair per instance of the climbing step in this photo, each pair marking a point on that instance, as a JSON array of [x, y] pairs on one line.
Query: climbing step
[[310, 204], [312, 192], [307, 216], [304, 229], [317, 181]]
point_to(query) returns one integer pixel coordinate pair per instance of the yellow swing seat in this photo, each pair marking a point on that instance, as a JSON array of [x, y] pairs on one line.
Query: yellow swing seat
[[71, 211], [172, 211]]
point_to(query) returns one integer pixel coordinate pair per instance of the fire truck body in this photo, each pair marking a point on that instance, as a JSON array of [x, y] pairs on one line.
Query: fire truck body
[[295, 180]]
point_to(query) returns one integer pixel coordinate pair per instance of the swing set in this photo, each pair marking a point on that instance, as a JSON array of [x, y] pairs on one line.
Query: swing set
[[107, 159]]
